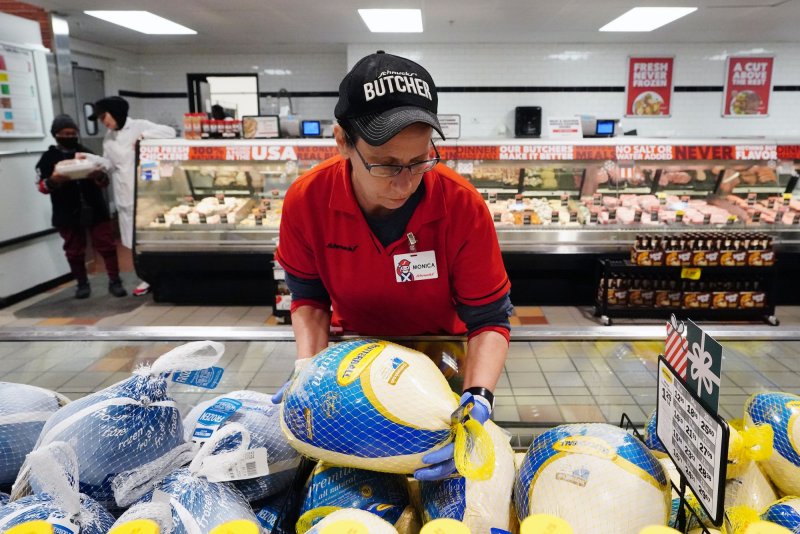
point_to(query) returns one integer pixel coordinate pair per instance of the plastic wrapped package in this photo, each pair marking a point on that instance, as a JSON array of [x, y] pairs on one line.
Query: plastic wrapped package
[[128, 424], [597, 477], [782, 412], [47, 489], [159, 513], [3, 499], [268, 512], [199, 498], [750, 488], [77, 169], [785, 512], [262, 420], [23, 412], [357, 521], [691, 500], [331, 488], [747, 445], [482, 505], [650, 436], [349, 406]]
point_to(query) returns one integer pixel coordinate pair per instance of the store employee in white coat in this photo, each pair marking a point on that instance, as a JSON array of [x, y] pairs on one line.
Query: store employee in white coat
[[119, 146]]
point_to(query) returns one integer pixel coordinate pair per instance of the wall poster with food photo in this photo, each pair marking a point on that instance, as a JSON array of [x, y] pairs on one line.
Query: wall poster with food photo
[[748, 84], [649, 91]]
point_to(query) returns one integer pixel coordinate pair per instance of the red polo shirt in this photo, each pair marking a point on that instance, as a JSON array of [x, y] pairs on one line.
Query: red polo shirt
[[325, 236]]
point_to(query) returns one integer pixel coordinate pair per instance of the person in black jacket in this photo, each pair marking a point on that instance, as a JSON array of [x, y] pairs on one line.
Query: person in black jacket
[[79, 206]]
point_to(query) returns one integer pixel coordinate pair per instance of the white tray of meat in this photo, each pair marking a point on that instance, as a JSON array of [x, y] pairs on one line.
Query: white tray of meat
[[76, 169]]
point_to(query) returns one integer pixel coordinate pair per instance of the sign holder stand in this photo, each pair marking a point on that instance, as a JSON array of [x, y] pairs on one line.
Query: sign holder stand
[[683, 519]]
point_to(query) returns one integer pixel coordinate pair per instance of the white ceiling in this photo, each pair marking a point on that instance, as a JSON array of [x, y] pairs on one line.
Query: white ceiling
[[252, 26]]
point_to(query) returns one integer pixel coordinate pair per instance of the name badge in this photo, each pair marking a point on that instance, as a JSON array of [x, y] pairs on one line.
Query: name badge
[[415, 266]]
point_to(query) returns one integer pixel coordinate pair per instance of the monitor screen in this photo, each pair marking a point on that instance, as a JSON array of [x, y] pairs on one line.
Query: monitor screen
[[312, 129], [605, 127]]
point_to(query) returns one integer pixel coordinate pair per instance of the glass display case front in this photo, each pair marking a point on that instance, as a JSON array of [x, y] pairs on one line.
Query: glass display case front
[[588, 196]]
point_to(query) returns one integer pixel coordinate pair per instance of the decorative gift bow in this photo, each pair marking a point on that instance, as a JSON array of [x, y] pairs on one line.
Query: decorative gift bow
[[679, 327], [701, 367]]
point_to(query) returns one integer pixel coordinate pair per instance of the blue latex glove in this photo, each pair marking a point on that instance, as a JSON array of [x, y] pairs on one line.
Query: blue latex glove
[[442, 463], [277, 398]]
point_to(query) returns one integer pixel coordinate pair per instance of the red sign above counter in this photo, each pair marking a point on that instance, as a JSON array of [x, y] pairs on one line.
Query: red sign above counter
[[235, 153], [497, 152]]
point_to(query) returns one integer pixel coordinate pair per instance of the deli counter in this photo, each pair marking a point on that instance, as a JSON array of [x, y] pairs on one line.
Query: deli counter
[[208, 212]]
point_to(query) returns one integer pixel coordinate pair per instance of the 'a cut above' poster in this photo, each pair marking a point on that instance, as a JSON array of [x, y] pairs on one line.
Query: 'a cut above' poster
[[748, 84]]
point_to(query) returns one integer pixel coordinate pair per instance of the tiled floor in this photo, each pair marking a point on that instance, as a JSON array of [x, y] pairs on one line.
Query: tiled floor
[[544, 383]]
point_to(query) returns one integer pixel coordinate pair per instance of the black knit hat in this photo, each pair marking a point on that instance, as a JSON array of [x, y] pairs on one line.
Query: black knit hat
[[61, 122], [115, 105], [383, 94]]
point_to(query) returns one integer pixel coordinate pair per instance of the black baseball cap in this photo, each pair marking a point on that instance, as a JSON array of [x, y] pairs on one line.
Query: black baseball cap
[[383, 94]]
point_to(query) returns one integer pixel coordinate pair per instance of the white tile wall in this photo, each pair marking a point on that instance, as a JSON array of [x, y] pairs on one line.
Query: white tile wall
[[694, 114], [487, 114]]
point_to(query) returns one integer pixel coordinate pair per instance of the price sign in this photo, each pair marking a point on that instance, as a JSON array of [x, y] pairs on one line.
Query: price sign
[[696, 440], [691, 273]]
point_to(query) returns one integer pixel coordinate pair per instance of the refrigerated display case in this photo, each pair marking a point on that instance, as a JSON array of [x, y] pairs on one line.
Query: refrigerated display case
[[208, 212]]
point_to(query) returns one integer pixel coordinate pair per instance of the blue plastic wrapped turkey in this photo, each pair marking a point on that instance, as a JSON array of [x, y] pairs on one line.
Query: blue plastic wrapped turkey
[[255, 412], [482, 505], [268, 512], [200, 496], [128, 424], [23, 412], [331, 488], [781, 411], [785, 512], [597, 477], [372, 404], [650, 436], [49, 482]]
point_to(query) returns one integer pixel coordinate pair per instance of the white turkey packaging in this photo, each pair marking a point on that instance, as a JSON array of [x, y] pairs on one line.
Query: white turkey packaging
[[23, 412], [356, 521], [482, 505], [255, 412], [597, 477], [199, 496], [128, 424], [375, 405], [781, 411], [47, 490]]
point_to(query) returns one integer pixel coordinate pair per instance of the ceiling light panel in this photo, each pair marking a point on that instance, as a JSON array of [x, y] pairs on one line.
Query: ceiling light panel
[[646, 19], [392, 20], [143, 22]]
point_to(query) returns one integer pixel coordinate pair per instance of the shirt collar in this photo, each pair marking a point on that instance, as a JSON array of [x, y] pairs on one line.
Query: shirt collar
[[431, 207]]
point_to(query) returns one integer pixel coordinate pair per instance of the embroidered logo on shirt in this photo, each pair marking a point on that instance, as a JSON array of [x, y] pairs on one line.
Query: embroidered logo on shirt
[[351, 248]]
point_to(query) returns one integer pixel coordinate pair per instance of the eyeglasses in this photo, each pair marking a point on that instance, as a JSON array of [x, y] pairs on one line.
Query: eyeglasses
[[389, 171]]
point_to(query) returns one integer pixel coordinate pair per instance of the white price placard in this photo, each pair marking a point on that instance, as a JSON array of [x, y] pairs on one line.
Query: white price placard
[[564, 128], [696, 440], [451, 126]]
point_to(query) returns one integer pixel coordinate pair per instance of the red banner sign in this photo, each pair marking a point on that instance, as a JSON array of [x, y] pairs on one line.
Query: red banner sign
[[649, 91], [748, 84]]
